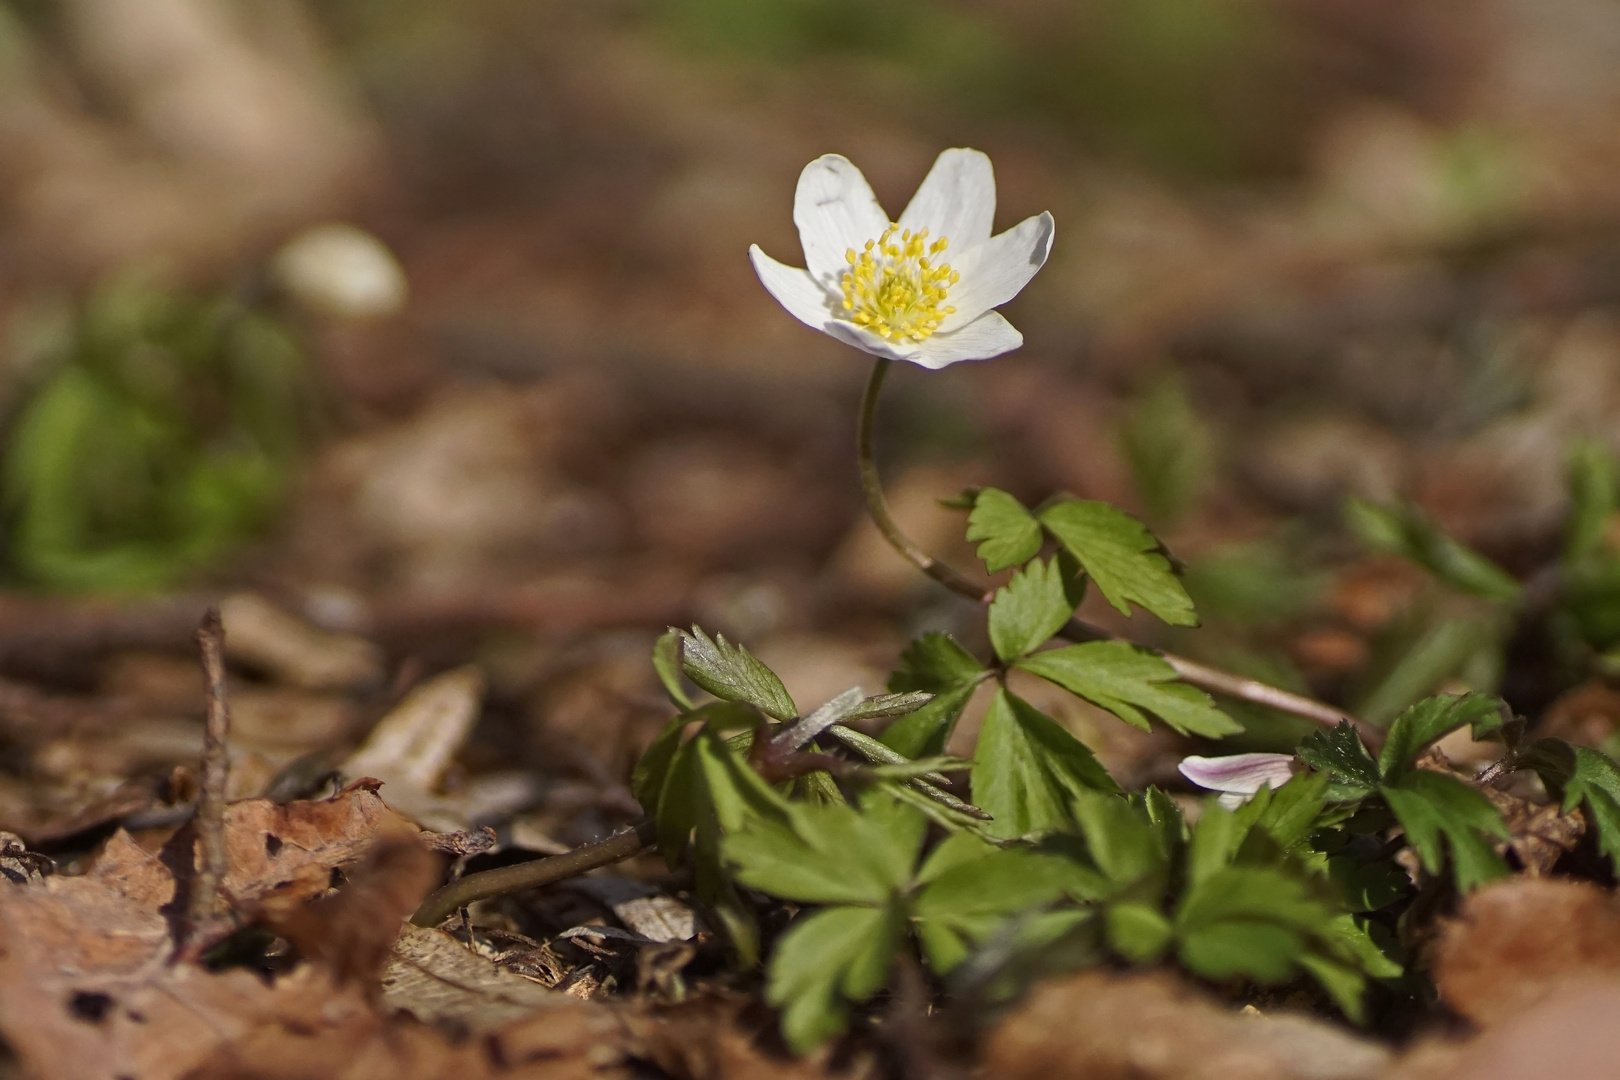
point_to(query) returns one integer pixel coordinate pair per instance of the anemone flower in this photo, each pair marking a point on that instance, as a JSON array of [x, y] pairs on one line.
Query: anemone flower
[[923, 288], [1238, 776]]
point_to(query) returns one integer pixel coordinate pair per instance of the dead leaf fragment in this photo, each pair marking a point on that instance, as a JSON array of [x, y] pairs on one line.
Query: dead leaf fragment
[[1516, 941], [1145, 1027], [295, 652], [290, 849], [435, 978], [352, 932]]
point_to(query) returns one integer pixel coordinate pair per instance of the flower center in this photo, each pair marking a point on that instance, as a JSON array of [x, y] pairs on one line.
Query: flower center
[[894, 289]]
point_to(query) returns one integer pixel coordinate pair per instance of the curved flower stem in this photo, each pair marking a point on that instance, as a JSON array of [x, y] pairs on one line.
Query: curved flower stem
[[1202, 676], [878, 508], [526, 875]]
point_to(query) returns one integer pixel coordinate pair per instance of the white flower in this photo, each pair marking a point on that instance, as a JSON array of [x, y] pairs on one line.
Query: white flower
[[889, 287], [1238, 776]]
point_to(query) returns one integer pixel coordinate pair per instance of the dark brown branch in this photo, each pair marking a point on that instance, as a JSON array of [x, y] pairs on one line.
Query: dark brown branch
[[458, 894]]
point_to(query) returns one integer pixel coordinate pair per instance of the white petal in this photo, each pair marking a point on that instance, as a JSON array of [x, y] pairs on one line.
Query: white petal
[[957, 200], [868, 342], [1240, 774], [794, 289], [998, 269], [835, 210], [988, 335]]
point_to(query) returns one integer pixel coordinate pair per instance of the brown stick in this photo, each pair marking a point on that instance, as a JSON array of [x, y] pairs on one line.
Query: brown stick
[[458, 894], [210, 819]]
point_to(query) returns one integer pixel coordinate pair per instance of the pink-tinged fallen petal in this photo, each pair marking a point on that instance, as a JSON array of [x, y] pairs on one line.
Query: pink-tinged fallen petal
[[1239, 774]]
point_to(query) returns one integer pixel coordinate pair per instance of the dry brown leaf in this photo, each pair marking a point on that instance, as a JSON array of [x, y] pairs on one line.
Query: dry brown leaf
[[87, 989], [1570, 1033], [352, 932], [1516, 941], [1105, 1026], [435, 978], [264, 636], [707, 1039], [1540, 834], [290, 849]]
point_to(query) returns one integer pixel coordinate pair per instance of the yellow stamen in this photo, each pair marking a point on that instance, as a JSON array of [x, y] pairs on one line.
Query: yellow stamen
[[894, 289]]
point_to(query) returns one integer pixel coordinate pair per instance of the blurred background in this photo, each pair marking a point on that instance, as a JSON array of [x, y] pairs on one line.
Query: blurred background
[[425, 335]]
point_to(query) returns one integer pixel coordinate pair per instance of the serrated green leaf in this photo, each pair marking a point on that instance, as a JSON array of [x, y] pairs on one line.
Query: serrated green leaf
[[830, 854], [1124, 844], [1340, 753], [1405, 530], [1577, 775], [1007, 534], [740, 797], [1128, 681], [1287, 814], [732, 673], [1027, 767], [1432, 719], [928, 729], [825, 962], [1122, 557], [1137, 932], [1432, 806], [970, 889], [1030, 608], [882, 706], [666, 660], [1250, 921], [935, 663]]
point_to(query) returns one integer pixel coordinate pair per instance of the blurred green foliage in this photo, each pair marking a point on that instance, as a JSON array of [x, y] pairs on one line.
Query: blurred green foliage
[[1181, 83], [163, 433]]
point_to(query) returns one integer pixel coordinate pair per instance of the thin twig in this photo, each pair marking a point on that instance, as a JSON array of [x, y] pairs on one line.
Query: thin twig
[[210, 819], [527, 875], [1202, 676]]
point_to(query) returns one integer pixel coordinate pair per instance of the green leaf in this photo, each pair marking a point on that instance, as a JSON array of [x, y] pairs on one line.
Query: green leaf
[[1287, 814], [666, 659], [1593, 490], [1432, 719], [1250, 921], [1006, 533], [1027, 767], [1122, 557], [1126, 681], [927, 730], [1030, 608], [970, 889], [1125, 845], [732, 673], [881, 706], [1167, 446], [652, 769], [1343, 983], [1264, 951], [1340, 754], [1578, 775], [1431, 806], [1137, 932], [935, 663], [1405, 530], [825, 962], [830, 854]]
